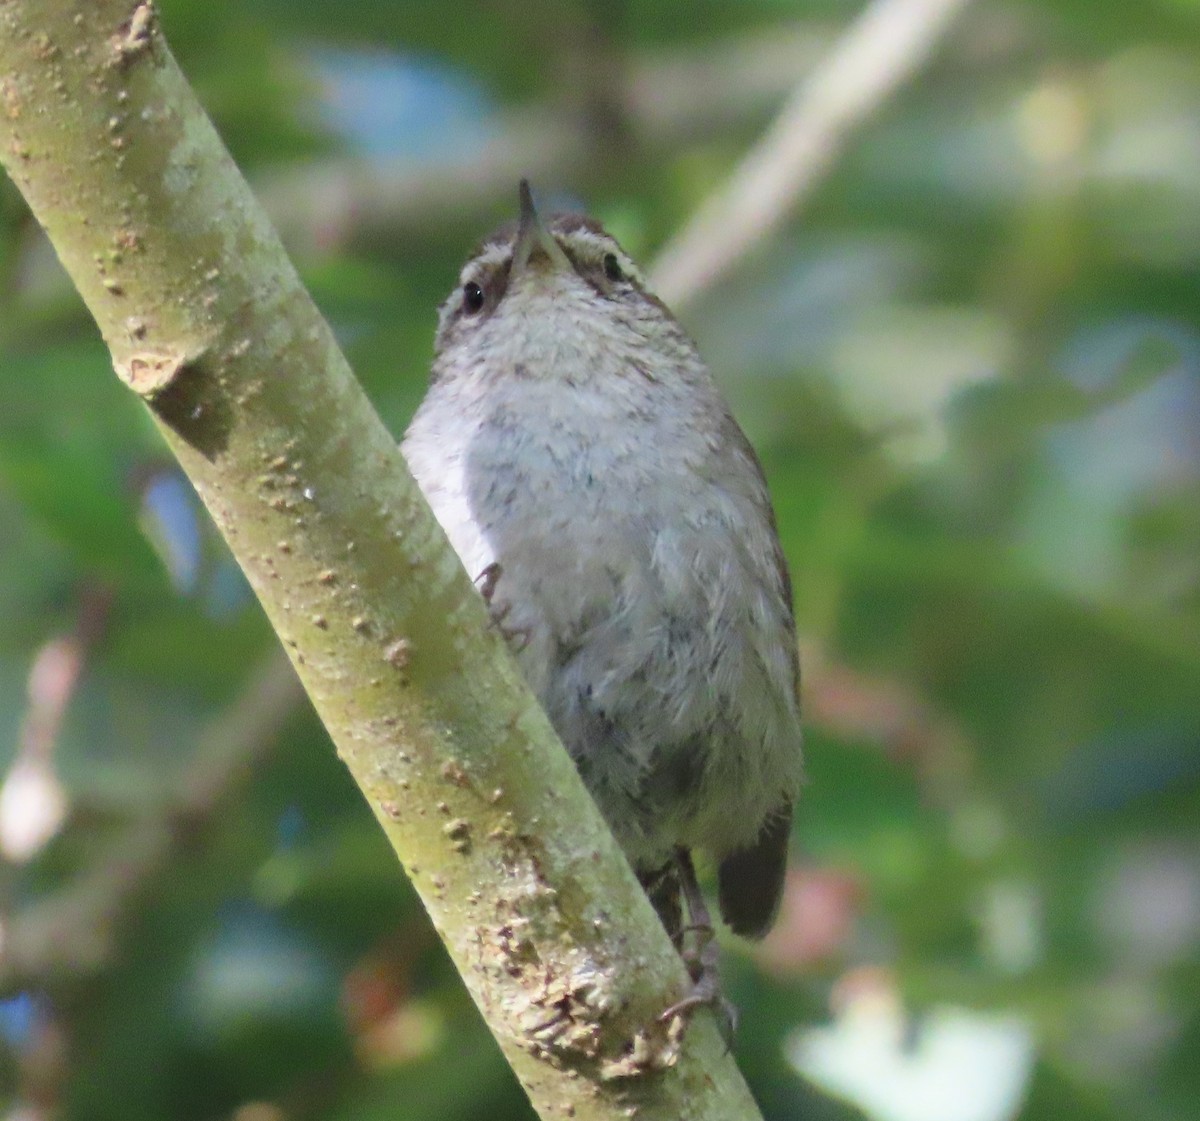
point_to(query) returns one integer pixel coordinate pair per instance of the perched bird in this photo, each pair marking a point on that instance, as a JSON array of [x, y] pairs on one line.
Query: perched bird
[[587, 470]]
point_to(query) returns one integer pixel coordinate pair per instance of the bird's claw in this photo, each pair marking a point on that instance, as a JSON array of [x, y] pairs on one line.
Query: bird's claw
[[516, 637], [705, 993]]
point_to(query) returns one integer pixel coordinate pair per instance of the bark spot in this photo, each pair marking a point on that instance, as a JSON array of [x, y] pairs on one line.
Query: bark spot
[[398, 653], [150, 372], [182, 393], [135, 37]]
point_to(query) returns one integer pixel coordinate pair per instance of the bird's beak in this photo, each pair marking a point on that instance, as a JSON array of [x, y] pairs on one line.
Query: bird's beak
[[535, 245]]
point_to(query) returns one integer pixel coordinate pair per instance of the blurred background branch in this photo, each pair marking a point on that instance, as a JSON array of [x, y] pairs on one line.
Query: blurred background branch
[[667, 101], [881, 49], [62, 939]]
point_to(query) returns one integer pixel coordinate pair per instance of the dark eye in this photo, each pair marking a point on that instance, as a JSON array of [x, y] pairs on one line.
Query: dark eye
[[612, 268], [472, 297]]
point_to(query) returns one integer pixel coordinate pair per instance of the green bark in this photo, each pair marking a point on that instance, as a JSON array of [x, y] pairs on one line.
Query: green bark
[[206, 319]]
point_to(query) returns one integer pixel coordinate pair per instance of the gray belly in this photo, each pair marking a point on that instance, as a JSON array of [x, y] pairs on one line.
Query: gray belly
[[617, 650], [655, 646]]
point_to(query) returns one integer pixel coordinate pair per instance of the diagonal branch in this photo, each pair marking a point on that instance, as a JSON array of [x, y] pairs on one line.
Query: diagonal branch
[[884, 47], [206, 319], [670, 99]]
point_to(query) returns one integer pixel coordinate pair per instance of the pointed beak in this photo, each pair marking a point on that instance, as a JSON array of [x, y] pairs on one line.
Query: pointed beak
[[535, 245]]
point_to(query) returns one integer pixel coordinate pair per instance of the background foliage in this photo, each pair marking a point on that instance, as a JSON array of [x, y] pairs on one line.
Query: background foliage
[[970, 364]]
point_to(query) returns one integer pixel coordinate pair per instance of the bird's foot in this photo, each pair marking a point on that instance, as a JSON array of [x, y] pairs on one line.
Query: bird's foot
[[701, 955], [702, 962]]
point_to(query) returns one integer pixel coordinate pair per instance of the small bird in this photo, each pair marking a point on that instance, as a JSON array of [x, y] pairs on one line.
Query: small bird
[[587, 470]]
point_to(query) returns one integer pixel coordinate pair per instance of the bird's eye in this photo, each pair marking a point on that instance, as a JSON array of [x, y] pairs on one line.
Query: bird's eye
[[472, 297], [612, 268]]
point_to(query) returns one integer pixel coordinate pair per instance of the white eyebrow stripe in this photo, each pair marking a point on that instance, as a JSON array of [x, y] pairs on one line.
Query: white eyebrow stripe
[[583, 244], [595, 246], [495, 254]]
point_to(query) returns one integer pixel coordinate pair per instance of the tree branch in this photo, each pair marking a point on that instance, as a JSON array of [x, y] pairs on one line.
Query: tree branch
[[882, 48], [671, 99], [73, 931], [206, 319]]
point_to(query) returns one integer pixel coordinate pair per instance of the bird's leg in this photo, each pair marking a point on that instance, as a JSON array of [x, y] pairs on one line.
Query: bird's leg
[[662, 887], [702, 958]]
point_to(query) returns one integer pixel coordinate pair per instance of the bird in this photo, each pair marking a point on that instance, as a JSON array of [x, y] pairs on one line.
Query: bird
[[589, 473]]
